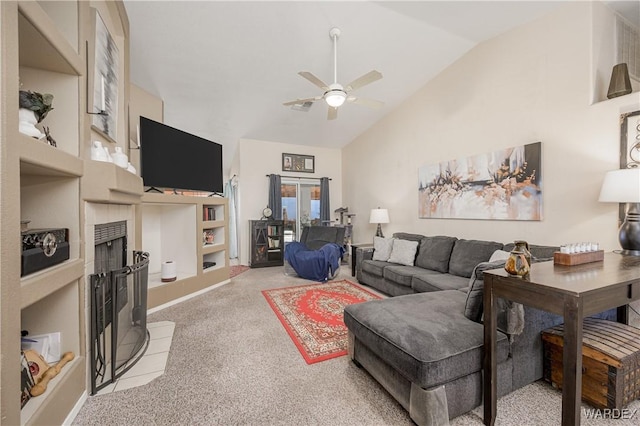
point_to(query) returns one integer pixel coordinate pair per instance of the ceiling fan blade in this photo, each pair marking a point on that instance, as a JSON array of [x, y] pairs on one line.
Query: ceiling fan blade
[[369, 77], [302, 101], [371, 103], [332, 114], [315, 80]]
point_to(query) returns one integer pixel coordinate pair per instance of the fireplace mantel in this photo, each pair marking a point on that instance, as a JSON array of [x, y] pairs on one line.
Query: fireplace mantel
[[107, 183]]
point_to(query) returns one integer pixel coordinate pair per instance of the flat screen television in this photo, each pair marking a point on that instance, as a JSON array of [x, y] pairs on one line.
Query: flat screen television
[[174, 159]]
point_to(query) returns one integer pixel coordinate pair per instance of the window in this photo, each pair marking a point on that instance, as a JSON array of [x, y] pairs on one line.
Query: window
[[300, 206]]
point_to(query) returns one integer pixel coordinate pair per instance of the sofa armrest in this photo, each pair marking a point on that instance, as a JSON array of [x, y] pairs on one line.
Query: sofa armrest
[[362, 253]]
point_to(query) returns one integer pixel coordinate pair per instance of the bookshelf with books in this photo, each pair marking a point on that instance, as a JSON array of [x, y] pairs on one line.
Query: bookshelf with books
[[267, 243]]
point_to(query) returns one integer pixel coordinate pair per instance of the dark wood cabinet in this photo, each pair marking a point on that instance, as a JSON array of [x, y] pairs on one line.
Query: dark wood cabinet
[[267, 243]]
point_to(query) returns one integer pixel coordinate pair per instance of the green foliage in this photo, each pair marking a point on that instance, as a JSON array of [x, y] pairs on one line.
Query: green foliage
[[39, 103]]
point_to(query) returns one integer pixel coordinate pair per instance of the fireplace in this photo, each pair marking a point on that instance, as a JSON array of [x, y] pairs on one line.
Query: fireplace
[[118, 334]]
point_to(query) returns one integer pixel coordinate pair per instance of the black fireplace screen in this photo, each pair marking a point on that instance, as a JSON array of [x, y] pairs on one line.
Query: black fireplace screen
[[119, 333]]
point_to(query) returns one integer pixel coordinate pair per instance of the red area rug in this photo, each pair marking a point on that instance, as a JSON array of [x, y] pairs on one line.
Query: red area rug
[[236, 270], [313, 316]]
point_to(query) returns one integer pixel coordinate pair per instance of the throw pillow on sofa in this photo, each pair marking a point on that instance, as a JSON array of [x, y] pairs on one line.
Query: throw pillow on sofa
[[403, 252], [499, 255], [382, 248], [434, 253]]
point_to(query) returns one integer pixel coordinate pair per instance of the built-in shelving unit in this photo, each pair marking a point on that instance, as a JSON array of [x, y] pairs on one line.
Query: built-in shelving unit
[[175, 228], [41, 50]]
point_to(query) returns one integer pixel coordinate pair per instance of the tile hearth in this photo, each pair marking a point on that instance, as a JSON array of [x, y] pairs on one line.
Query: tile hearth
[[153, 362]]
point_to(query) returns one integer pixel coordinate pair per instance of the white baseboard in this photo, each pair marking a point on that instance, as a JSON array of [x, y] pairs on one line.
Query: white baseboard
[[76, 409], [187, 297]]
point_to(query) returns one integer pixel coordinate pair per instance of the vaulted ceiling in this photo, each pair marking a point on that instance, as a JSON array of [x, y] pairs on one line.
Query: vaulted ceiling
[[223, 69]]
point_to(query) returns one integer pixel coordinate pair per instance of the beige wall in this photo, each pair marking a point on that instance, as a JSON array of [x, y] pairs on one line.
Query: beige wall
[[255, 159], [141, 103], [531, 84]]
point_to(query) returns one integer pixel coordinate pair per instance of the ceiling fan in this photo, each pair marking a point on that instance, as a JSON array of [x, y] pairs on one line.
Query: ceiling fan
[[335, 94]]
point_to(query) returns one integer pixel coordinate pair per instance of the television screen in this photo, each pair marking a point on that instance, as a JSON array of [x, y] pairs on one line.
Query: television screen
[[172, 158]]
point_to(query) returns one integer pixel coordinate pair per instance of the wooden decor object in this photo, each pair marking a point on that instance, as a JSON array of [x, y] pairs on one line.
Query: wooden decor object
[[570, 259], [40, 387], [37, 364], [610, 362]]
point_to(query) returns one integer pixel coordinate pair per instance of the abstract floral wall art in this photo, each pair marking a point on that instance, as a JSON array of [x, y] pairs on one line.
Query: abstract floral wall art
[[500, 185]]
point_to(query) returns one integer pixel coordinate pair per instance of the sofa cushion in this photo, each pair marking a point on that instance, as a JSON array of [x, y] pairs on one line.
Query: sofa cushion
[[467, 254], [436, 281], [401, 274], [382, 248], [434, 253], [425, 337], [537, 252], [374, 267], [403, 252]]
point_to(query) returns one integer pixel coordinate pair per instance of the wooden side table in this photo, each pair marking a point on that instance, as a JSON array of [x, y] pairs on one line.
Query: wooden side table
[[354, 248], [572, 291]]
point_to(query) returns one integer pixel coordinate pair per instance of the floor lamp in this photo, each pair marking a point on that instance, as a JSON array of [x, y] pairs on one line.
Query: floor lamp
[[379, 216], [623, 186]]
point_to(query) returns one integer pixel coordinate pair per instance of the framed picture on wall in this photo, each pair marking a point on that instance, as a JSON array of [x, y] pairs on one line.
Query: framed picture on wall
[[102, 99], [298, 163], [629, 148]]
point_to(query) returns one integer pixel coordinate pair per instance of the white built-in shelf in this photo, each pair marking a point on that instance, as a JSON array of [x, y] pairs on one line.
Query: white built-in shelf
[[632, 98], [207, 224], [65, 383], [41, 284], [212, 248], [38, 158], [155, 278], [43, 45]]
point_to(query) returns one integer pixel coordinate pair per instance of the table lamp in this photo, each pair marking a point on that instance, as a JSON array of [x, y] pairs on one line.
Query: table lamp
[[623, 186], [379, 216]]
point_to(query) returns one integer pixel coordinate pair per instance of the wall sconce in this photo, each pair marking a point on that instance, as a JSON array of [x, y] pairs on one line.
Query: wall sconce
[[379, 216], [623, 186]]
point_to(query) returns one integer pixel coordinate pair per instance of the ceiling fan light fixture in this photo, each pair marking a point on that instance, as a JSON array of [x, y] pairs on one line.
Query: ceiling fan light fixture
[[335, 97]]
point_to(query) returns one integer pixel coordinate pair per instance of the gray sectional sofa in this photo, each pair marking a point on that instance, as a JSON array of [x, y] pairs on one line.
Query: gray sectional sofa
[[425, 344]]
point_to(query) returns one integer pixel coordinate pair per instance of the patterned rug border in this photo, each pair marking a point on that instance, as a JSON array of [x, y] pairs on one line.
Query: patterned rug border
[[235, 270], [292, 333]]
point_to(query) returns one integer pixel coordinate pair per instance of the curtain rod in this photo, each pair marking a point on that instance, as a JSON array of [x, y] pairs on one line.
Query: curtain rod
[[300, 177]]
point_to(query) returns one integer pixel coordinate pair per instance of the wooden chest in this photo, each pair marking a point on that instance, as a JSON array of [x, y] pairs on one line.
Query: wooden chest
[[610, 362]]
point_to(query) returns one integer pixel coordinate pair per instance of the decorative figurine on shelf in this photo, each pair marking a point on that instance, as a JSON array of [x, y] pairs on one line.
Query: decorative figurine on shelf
[[50, 138], [34, 107]]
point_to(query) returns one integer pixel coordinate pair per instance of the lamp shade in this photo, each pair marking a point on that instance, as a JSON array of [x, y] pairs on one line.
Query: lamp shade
[[379, 216], [335, 98], [621, 186]]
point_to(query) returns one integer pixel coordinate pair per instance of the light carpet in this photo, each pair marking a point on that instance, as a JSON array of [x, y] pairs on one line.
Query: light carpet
[[231, 364], [313, 316]]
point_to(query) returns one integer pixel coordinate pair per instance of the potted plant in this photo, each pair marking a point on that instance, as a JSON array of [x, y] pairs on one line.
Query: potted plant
[[34, 107], [39, 103]]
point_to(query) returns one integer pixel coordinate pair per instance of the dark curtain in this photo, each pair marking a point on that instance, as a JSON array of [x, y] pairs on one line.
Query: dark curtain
[[275, 196], [325, 208]]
